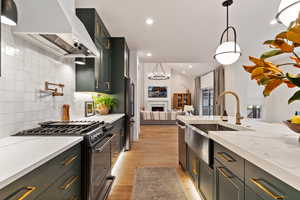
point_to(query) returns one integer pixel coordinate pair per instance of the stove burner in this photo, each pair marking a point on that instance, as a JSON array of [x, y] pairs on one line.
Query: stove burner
[[71, 128]]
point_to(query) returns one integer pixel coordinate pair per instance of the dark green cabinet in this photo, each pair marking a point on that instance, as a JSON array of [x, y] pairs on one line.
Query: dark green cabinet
[[250, 195], [120, 73], [227, 185], [237, 179], [59, 178], [206, 181], [182, 147], [267, 186], [95, 76], [118, 140], [193, 166]]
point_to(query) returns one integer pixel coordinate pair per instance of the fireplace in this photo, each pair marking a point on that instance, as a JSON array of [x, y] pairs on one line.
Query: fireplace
[[158, 108]]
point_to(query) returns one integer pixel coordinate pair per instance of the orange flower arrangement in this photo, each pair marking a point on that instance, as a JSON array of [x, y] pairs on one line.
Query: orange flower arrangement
[[270, 75]]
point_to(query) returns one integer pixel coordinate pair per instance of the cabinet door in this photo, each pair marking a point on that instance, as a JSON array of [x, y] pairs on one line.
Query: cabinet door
[[227, 185], [193, 166], [106, 70], [206, 180], [250, 195], [182, 146], [126, 60]]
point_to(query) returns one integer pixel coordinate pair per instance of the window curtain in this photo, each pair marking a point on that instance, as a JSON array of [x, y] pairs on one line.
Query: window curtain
[[197, 95], [219, 87]]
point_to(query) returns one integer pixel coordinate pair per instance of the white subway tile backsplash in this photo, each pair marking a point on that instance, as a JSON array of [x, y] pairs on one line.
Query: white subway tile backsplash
[[25, 68]]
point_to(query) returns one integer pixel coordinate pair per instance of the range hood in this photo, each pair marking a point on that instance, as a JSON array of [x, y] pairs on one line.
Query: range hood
[[54, 25]]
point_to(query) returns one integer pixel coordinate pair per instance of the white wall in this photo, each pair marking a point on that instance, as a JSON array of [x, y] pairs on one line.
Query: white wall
[[274, 108], [178, 83], [148, 67], [25, 68]]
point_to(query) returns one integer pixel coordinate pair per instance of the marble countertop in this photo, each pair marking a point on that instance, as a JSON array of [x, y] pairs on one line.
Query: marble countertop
[[270, 146], [110, 118], [21, 155]]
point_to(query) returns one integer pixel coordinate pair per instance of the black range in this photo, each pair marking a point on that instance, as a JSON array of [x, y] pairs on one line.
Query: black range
[[96, 151]]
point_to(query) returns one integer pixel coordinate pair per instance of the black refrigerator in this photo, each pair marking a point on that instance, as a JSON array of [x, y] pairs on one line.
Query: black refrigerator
[[121, 85]]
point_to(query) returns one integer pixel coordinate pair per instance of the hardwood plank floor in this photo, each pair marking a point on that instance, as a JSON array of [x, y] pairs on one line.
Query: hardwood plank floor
[[157, 147]]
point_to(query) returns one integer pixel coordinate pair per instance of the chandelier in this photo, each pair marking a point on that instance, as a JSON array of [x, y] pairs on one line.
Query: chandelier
[[228, 52], [158, 73]]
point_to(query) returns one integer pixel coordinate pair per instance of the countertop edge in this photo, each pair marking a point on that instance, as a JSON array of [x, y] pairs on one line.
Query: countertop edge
[[27, 170], [277, 172]]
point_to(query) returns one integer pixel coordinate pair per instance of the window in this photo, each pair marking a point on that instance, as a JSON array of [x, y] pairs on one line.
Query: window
[[254, 112], [207, 101]]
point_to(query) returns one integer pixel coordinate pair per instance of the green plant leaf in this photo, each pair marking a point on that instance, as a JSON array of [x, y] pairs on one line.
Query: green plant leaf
[[271, 54], [295, 79], [106, 100], [295, 97]]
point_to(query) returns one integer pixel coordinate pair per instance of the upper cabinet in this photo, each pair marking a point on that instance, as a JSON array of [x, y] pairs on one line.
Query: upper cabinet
[[120, 56], [95, 75]]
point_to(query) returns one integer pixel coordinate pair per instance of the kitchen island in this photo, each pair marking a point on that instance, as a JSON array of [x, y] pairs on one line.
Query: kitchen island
[[270, 147]]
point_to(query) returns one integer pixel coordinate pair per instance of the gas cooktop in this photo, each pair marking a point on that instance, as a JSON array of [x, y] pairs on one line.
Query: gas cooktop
[[63, 128]]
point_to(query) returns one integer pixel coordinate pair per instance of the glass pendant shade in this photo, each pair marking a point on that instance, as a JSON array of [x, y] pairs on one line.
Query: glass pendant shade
[[9, 14], [228, 53], [288, 11]]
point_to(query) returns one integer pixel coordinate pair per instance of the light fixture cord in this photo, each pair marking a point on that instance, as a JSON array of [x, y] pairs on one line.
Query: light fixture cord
[[227, 22]]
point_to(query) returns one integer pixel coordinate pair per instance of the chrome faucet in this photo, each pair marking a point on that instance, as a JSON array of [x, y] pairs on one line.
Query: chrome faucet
[[238, 116]]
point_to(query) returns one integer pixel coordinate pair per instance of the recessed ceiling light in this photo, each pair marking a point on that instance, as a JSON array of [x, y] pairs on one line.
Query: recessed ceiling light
[[273, 21], [149, 54], [149, 21], [190, 66]]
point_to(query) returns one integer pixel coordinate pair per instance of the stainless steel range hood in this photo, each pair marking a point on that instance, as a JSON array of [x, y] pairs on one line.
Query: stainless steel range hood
[[54, 25]]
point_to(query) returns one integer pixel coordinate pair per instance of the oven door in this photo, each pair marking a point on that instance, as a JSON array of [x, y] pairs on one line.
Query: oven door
[[100, 167]]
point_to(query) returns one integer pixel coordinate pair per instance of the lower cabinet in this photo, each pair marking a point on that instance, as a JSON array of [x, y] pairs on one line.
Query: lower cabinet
[[227, 185], [206, 181], [250, 195], [182, 145], [118, 139], [193, 166], [59, 178]]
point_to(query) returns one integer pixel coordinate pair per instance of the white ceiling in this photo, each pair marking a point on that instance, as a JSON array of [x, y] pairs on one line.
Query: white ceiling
[[185, 30]]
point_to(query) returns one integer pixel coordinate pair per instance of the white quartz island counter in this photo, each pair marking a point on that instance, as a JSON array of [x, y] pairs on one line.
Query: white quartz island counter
[[270, 146], [110, 118], [21, 155]]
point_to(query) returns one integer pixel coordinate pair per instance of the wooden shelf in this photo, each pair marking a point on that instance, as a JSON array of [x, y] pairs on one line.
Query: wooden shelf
[[180, 100]]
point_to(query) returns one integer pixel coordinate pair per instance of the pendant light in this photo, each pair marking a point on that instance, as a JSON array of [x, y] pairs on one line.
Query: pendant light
[[9, 13], [80, 61], [158, 73], [288, 11], [228, 52]]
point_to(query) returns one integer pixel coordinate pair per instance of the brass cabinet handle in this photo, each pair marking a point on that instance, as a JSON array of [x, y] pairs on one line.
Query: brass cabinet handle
[[222, 171], [225, 157], [69, 183], [265, 189], [69, 161], [27, 193], [195, 166]]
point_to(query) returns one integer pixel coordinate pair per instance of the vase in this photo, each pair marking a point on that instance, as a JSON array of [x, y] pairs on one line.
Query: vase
[[103, 109]]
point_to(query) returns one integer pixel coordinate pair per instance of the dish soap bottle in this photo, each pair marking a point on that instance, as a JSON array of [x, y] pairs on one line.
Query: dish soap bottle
[[224, 118]]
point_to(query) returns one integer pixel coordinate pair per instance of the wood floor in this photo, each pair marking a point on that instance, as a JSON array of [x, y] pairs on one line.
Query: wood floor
[[157, 147]]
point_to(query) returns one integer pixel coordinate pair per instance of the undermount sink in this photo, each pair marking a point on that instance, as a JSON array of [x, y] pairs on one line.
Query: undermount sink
[[212, 127]]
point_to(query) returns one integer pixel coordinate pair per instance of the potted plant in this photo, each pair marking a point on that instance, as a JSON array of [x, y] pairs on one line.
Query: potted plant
[[271, 75], [104, 103]]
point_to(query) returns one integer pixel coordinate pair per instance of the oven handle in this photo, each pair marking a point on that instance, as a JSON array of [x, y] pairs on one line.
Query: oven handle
[[107, 142], [108, 127]]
